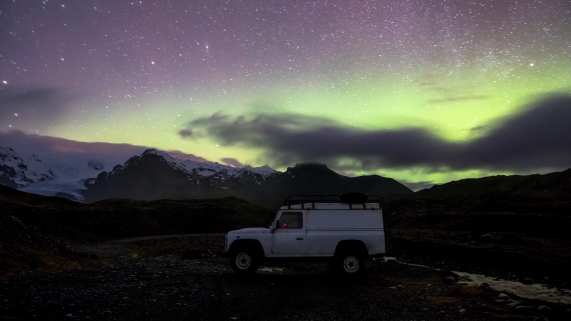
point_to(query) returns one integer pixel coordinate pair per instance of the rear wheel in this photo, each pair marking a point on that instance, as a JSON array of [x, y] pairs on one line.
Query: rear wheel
[[349, 263], [244, 261], [352, 264]]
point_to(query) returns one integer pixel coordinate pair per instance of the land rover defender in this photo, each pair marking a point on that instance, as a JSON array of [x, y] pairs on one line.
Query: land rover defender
[[343, 229]]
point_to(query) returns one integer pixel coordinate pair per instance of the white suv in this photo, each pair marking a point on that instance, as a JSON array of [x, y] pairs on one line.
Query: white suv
[[344, 230]]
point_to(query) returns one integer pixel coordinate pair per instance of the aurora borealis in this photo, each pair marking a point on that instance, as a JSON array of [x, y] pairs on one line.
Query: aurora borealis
[[423, 91]]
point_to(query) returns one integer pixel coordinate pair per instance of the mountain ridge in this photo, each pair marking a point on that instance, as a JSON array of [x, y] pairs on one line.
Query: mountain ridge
[[154, 175], [556, 184]]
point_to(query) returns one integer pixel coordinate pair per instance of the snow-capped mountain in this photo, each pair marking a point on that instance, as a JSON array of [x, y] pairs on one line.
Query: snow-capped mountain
[[157, 175], [200, 169], [70, 176], [17, 172], [49, 175]]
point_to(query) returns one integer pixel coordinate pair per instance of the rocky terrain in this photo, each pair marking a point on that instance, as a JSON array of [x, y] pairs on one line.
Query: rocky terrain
[[184, 278]]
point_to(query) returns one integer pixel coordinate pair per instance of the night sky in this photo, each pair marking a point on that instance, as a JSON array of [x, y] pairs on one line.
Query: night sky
[[423, 91]]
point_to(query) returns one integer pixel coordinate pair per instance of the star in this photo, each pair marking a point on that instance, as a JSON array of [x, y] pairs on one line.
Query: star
[[385, 66]]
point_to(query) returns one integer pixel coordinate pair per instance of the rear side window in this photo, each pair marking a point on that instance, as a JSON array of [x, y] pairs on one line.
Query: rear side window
[[291, 220]]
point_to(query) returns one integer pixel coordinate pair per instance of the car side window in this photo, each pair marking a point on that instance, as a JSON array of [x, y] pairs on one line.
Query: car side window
[[291, 220]]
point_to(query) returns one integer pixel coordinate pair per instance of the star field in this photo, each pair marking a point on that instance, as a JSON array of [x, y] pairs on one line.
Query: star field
[[147, 73]]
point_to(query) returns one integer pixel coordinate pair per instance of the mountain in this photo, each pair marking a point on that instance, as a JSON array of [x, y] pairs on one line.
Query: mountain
[[552, 182], [313, 178], [15, 172], [67, 175], [155, 175], [50, 175], [547, 188]]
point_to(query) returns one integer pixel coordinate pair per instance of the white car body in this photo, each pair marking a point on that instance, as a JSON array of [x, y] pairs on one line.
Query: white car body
[[316, 230]]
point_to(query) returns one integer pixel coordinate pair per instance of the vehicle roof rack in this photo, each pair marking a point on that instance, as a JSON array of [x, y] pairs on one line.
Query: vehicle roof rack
[[347, 198]]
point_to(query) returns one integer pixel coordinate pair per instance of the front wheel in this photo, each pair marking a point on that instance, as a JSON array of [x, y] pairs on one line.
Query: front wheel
[[244, 261]]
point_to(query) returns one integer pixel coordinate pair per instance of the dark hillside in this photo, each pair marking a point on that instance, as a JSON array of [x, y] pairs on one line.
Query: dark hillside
[[548, 186], [509, 223], [34, 228], [129, 218]]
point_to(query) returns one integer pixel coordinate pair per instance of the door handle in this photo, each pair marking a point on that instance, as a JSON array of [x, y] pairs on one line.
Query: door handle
[[299, 238]]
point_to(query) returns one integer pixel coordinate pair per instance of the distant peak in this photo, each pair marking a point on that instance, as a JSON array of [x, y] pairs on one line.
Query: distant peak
[[264, 170], [154, 151], [309, 168], [151, 151], [310, 165]]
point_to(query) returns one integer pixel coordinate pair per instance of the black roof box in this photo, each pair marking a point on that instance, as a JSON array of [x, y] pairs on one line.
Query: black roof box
[[353, 198]]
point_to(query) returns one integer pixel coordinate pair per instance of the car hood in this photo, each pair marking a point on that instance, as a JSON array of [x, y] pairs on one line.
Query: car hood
[[250, 230]]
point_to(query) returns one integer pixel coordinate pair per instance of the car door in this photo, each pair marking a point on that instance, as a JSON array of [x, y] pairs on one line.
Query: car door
[[289, 236]]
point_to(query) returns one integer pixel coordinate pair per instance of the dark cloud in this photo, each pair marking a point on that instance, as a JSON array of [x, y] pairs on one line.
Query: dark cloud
[[539, 137], [33, 107], [435, 84], [180, 155], [478, 129], [45, 145], [232, 162], [30, 143], [185, 133], [458, 98]]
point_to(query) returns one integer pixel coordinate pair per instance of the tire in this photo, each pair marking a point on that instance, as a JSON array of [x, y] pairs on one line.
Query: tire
[[350, 263], [244, 261]]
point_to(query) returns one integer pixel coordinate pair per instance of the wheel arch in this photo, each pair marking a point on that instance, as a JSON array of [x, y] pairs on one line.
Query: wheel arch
[[248, 243], [354, 245]]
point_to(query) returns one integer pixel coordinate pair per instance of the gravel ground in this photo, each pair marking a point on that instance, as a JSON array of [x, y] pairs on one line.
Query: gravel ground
[[172, 288], [169, 288]]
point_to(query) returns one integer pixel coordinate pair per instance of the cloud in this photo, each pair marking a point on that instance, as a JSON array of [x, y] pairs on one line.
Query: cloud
[[232, 162], [33, 107], [538, 137], [185, 133], [64, 148], [448, 93], [478, 128], [458, 98], [30, 143], [180, 155]]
